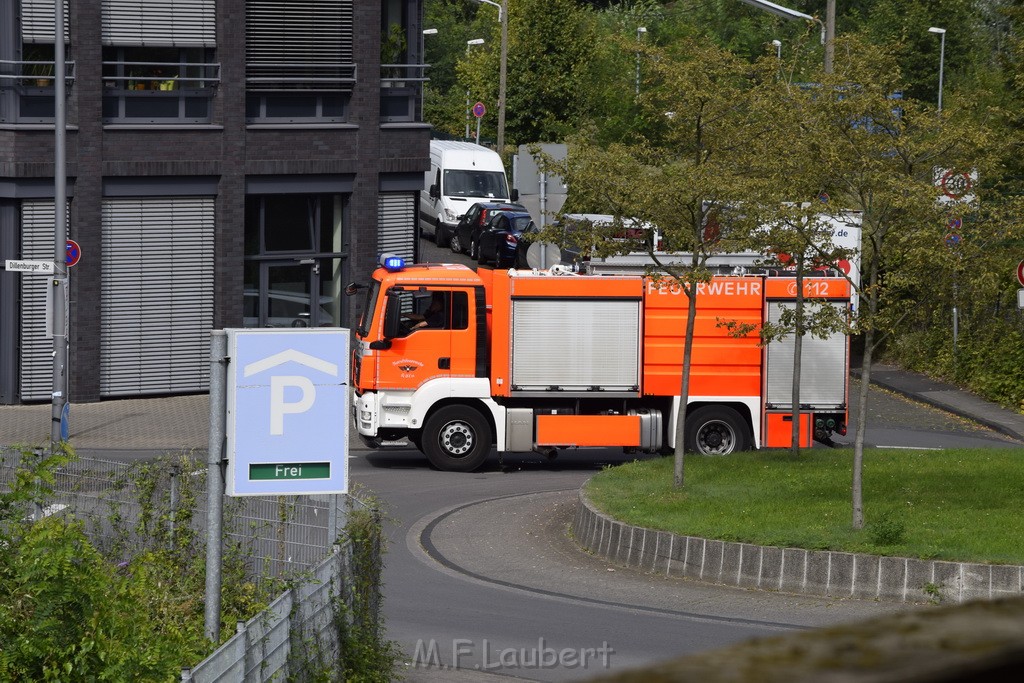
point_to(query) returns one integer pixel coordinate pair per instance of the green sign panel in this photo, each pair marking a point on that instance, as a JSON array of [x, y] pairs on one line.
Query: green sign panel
[[289, 471]]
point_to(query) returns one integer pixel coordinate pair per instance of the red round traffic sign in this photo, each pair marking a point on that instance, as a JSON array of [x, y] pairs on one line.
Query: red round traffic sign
[[1020, 273], [479, 109], [74, 253]]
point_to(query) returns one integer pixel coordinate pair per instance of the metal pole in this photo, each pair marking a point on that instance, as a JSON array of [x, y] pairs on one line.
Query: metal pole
[[478, 129], [501, 76], [214, 481], [830, 34], [942, 64], [467, 114], [60, 237], [640, 30]]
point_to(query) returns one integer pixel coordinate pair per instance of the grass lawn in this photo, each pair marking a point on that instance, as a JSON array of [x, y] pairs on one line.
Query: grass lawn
[[964, 505]]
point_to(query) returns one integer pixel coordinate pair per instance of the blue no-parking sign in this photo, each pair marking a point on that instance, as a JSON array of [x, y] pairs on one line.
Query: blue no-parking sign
[[287, 412]]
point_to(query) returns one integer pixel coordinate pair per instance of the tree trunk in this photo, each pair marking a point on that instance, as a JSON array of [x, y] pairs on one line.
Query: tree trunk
[[690, 290], [865, 382], [798, 332]]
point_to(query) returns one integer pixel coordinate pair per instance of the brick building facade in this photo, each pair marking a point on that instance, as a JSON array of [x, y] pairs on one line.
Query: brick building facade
[[229, 163]]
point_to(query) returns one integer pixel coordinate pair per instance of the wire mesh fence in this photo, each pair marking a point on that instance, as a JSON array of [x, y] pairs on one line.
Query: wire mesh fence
[[129, 508]]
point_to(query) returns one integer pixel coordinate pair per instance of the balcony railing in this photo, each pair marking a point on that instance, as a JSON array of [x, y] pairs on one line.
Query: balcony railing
[[33, 74], [27, 92], [401, 86], [159, 92]]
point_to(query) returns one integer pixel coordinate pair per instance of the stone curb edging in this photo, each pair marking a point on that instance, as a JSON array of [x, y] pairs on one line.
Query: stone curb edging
[[791, 570]]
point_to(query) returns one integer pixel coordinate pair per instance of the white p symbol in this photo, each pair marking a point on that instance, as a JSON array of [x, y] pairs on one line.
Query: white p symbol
[[279, 407]]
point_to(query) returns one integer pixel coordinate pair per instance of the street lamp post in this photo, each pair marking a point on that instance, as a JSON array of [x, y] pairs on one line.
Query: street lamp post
[[640, 31], [503, 20], [469, 44], [778, 49], [942, 57], [423, 59]]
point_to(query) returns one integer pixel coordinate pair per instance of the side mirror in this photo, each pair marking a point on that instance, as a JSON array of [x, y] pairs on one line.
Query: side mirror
[[353, 288], [381, 345], [515, 195], [392, 318], [434, 193]]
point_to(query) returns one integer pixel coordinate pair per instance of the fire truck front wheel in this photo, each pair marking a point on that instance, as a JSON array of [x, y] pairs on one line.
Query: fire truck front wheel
[[716, 430], [456, 439]]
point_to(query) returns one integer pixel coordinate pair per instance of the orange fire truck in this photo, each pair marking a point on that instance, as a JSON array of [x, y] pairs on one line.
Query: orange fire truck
[[547, 360]]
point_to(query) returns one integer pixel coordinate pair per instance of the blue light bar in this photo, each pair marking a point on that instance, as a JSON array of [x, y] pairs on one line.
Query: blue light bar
[[392, 263]]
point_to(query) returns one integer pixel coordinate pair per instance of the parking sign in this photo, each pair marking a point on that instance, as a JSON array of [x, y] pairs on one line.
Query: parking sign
[[287, 412]]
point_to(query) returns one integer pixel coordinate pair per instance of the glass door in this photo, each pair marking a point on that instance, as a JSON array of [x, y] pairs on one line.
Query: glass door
[[283, 295]]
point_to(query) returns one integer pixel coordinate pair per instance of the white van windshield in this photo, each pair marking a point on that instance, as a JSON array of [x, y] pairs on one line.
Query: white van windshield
[[461, 183]]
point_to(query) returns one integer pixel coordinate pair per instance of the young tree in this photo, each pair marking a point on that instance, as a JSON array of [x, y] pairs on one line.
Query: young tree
[[880, 153], [683, 169]]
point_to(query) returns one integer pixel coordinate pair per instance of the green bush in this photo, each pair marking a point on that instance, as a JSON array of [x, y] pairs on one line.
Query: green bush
[[68, 613]]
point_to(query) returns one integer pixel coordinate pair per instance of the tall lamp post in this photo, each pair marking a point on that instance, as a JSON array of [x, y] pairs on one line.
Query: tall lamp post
[[778, 49], [503, 20], [469, 44], [942, 57], [640, 31], [423, 59]]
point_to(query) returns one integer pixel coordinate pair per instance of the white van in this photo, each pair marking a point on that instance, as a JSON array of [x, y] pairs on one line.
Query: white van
[[461, 174]]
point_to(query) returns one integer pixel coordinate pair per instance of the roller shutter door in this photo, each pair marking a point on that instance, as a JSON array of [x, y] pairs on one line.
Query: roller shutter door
[[38, 21], [156, 295], [396, 232], [823, 366], [36, 362], [160, 23], [306, 43]]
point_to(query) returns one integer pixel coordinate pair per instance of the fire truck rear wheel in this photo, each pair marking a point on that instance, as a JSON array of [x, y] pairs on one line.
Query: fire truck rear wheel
[[715, 430], [456, 439]]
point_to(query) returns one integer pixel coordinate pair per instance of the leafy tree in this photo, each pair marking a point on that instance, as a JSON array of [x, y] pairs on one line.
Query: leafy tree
[[880, 155], [550, 43], [700, 109]]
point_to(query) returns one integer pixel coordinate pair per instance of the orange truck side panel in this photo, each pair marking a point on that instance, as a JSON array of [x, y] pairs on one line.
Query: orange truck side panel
[[779, 430], [721, 365], [588, 430], [814, 288], [505, 289]]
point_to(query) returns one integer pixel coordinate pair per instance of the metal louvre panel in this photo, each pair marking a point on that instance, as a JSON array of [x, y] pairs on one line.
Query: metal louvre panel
[[37, 234], [156, 295], [396, 224], [37, 21], [822, 366], [175, 23], [575, 344], [287, 38]]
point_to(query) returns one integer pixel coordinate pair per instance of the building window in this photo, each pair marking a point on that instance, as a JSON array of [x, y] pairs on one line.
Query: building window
[[294, 258], [27, 72], [158, 60], [300, 65], [401, 77], [158, 84]]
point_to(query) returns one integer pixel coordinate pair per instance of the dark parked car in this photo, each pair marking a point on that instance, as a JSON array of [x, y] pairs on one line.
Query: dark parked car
[[470, 225], [498, 241], [568, 254]]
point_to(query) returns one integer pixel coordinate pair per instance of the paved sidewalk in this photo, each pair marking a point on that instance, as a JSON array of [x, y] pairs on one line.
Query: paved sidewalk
[[143, 427], [947, 397], [151, 426]]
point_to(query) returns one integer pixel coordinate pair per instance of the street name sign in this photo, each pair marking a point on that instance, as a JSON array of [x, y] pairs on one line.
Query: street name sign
[[287, 412], [29, 266]]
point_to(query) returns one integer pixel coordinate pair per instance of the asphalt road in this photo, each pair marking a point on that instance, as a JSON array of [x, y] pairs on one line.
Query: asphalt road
[[483, 575]]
